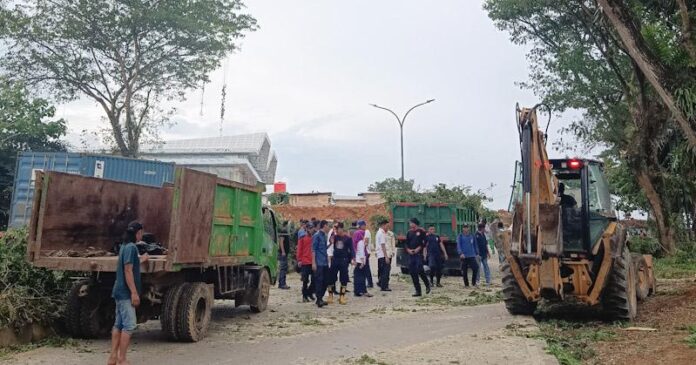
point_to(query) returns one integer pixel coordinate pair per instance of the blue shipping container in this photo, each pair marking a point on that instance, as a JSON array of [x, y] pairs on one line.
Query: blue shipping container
[[144, 172]]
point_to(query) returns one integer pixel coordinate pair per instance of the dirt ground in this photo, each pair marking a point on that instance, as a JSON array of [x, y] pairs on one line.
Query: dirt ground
[[669, 312], [390, 328]]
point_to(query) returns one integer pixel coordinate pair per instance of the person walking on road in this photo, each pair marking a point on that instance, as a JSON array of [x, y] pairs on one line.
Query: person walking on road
[[320, 262], [436, 256], [468, 251], [359, 281], [283, 252], [343, 257], [415, 244], [126, 293], [483, 251], [383, 257], [304, 258]]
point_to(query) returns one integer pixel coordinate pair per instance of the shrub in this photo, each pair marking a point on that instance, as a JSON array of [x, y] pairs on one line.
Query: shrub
[[27, 294]]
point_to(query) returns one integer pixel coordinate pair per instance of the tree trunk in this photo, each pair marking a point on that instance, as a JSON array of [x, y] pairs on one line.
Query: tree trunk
[[659, 210], [620, 17]]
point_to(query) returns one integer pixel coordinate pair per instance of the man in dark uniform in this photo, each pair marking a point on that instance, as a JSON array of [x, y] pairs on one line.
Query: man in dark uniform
[[436, 256], [343, 255], [415, 244]]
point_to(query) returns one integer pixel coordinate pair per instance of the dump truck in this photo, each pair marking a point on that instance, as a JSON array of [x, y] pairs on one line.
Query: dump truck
[[566, 243], [448, 220], [220, 244]]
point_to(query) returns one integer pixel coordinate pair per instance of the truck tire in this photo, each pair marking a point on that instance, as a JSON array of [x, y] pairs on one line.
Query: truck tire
[[194, 312], [643, 279], [73, 309], [170, 306], [619, 299], [515, 301], [259, 297], [96, 314]]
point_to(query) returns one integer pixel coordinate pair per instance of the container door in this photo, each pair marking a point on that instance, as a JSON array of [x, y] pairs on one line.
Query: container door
[[248, 215]]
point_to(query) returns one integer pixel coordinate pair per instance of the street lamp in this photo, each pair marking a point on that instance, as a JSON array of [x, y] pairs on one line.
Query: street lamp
[[401, 128]]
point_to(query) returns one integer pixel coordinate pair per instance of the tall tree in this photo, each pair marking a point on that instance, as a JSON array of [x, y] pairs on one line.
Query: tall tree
[[579, 62], [126, 55], [25, 124]]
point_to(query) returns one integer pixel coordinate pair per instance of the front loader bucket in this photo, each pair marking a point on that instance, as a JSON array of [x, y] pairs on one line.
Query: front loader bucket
[[551, 232]]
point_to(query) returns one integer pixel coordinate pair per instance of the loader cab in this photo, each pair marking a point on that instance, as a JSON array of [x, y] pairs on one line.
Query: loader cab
[[586, 208]]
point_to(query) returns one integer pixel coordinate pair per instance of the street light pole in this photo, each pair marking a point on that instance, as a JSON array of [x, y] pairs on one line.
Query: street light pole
[[401, 127]]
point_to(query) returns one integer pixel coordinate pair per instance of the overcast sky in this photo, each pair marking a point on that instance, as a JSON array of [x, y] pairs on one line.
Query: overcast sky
[[307, 75]]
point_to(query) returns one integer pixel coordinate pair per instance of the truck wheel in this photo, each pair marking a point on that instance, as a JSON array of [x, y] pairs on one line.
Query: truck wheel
[[643, 279], [515, 301], [170, 306], [195, 306], [619, 299], [73, 309], [259, 299], [97, 315]]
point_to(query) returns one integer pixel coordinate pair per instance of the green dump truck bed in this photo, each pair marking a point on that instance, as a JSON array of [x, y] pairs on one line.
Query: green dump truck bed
[[448, 220], [201, 220]]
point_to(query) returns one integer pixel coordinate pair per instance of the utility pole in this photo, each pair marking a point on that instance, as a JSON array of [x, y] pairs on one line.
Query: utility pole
[[401, 127]]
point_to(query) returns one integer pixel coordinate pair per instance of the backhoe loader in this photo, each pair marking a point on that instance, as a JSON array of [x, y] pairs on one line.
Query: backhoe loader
[[566, 243]]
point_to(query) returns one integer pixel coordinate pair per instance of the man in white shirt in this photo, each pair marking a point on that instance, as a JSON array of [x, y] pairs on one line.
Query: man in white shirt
[[382, 250], [362, 225]]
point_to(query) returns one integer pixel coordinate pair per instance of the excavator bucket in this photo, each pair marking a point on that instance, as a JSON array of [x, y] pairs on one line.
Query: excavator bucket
[[550, 226]]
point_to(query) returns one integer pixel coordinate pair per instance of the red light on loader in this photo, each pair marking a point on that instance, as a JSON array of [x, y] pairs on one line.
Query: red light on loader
[[575, 164]]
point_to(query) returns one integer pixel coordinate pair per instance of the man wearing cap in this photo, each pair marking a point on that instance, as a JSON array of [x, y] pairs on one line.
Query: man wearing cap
[[415, 244], [383, 258], [320, 261], [126, 293]]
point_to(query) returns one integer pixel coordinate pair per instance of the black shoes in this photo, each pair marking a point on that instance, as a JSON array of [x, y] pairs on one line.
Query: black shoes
[[321, 303], [284, 287], [387, 289], [427, 290], [416, 295], [439, 285], [305, 300]]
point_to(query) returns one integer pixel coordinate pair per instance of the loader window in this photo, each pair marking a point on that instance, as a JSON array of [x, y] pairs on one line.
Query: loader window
[[571, 214], [600, 200]]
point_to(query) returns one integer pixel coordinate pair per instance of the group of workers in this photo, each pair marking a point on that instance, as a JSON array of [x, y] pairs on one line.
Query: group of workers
[[326, 251]]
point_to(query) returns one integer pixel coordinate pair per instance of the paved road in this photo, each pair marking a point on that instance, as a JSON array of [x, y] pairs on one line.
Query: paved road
[[459, 335]]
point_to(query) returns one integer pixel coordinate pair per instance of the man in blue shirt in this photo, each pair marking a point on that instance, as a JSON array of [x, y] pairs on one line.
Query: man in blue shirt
[[468, 251], [482, 246], [436, 256], [320, 261], [126, 293]]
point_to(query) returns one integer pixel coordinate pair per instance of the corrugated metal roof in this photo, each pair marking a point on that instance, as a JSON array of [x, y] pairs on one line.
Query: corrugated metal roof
[[212, 160], [244, 143]]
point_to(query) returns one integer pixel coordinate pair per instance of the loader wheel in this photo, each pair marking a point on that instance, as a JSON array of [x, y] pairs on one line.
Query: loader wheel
[[515, 301], [195, 306], [170, 306], [73, 309], [643, 279], [259, 297], [620, 300]]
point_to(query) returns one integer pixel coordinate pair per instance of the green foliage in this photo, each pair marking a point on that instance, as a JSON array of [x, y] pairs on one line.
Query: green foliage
[[25, 124], [573, 342], [27, 294], [127, 56], [278, 198], [691, 339], [678, 266], [394, 190]]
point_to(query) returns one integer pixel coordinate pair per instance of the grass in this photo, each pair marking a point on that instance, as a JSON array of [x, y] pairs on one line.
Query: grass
[[691, 339], [571, 342], [55, 341], [675, 267]]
